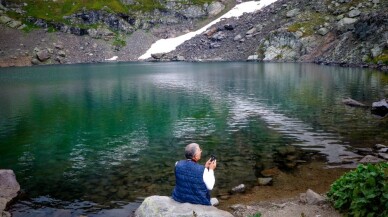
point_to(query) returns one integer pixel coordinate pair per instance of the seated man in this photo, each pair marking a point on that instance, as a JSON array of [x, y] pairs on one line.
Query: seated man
[[193, 182]]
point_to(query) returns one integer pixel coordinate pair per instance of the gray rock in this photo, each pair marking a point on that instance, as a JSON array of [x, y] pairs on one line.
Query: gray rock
[[383, 150], [346, 24], [371, 159], [323, 31], [58, 46], [22, 26], [3, 204], [379, 146], [237, 37], [215, 8], [14, 24], [384, 156], [380, 108], [9, 187], [251, 31], [157, 55], [238, 207], [253, 57], [5, 19], [35, 61], [62, 53], [376, 51], [194, 12], [354, 13], [264, 181], [167, 207], [292, 13], [43, 55], [6, 214], [218, 36], [375, 1], [238, 189], [364, 151], [312, 198], [352, 102]]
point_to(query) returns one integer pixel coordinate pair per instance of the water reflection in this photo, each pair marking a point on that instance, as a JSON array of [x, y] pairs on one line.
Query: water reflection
[[99, 136]]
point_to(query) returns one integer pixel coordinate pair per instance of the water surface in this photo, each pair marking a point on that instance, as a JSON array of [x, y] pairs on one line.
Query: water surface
[[92, 137]]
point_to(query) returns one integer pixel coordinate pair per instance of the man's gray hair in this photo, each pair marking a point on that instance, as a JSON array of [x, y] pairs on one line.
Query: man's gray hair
[[190, 150]]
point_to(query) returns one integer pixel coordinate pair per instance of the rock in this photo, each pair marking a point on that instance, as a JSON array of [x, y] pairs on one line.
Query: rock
[[383, 155], [5, 19], [379, 146], [35, 61], [313, 198], [62, 53], [6, 214], [214, 201], [237, 37], [253, 58], [251, 31], [264, 181], [214, 45], [364, 151], [375, 1], [3, 204], [323, 31], [371, 159], [380, 108], [9, 187], [157, 55], [238, 207], [270, 172], [229, 26], [215, 8], [352, 102], [238, 189], [43, 55], [383, 150], [346, 24], [354, 13], [193, 12], [14, 24], [376, 51], [167, 207], [292, 13], [59, 46], [218, 36], [210, 32]]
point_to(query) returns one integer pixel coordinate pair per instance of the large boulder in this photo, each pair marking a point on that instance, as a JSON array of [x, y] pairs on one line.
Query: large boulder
[[380, 108], [215, 8], [9, 189], [167, 207]]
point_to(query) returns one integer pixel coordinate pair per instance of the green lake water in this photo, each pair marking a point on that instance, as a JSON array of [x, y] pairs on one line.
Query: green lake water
[[95, 137]]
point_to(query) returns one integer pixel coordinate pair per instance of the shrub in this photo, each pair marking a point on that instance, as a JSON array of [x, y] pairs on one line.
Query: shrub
[[362, 192]]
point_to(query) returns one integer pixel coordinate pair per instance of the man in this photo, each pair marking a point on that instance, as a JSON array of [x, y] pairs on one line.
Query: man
[[193, 181]]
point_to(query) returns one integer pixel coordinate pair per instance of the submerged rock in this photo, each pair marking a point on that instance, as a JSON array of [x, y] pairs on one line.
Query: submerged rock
[[352, 102], [167, 207]]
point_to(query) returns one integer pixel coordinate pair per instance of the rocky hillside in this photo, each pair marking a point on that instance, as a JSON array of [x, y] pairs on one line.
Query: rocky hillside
[[344, 32]]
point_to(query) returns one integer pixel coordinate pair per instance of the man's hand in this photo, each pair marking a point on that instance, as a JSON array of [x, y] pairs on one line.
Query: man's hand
[[211, 165]]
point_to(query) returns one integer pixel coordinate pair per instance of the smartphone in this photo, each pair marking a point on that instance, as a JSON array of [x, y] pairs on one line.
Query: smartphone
[[212, 158]]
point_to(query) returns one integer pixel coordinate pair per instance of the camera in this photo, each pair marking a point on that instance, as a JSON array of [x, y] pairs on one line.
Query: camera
[[212, 158]]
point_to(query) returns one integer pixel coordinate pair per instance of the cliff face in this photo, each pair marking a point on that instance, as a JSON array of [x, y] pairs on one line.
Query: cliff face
[[345, 32], [329, 32]]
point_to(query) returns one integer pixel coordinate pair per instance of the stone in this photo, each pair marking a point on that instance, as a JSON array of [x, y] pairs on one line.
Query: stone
[[375, 1], [312, 198], [380, 108], [167, 207], [214, 201], [364, 151], [352, 102], [292, 13], [238, 207], [264, 181], [215, 8], [354, 13], [218, 36], [5, 19], [238, 189], [14, 24], [6, 214], [346, 24], [59, 46], [193, 12], [43, 55], [371, 159], [9, 187], [251, 31], [384, 156], [253, 57], [62, 53], [383, 150], [237, 37], [35, 61], [210, 31], [376, 51], [3, 204], [379, 146], [157, 55], [229, 26], [323, 31]]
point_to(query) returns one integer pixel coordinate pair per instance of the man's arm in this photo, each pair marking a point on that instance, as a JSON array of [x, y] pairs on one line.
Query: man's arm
[[208, 178]]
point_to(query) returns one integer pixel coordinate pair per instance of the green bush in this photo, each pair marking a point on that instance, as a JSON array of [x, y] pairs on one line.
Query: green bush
[[362, 192]]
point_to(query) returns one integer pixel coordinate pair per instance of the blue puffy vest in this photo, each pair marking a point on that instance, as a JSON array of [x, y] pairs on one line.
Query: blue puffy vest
[[190, 186]]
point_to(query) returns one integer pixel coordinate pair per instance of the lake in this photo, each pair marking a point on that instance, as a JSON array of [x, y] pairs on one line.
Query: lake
[[94, 137]]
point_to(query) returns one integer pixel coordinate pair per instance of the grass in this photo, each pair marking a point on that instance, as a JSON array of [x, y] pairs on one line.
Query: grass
[[307, 27], [383, 58]]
